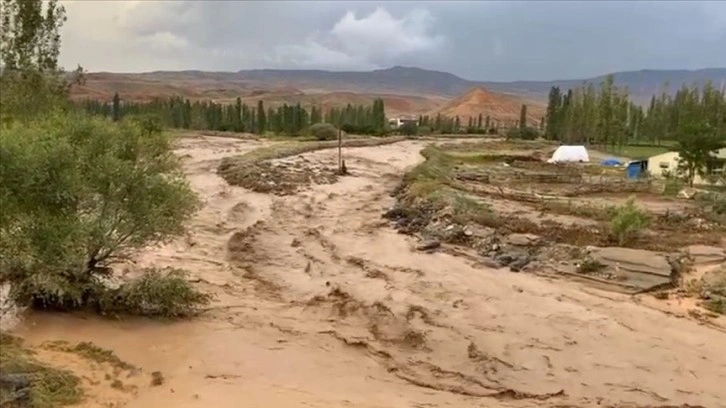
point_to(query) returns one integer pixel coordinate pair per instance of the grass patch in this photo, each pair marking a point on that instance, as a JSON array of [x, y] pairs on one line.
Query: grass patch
[[716, 289], [635, 151], [716, 305], [590, 211], [429, 193], [47, 387], [91, 352]]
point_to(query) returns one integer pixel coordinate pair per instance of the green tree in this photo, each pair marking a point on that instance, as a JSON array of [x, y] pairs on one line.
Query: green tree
[[553, 113], [697, 143], [523, 117], [408, 129], [116, 107], [98, 192], [261, 118], [237, 117], [324, 131], [315, 115], [32, 83]]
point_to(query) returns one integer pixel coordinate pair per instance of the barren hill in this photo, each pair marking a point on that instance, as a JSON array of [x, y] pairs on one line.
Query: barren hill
[[406, 90], [226, 87], [505, 108], [396, 105]]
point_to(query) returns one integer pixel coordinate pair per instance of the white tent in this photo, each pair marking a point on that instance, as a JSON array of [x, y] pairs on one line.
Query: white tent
[[570, 154]]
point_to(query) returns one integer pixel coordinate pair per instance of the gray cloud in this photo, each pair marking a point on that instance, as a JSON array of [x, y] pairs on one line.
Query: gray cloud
[[477, 40]]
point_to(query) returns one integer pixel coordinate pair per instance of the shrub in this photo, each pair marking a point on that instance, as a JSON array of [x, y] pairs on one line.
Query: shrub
[[716, 288], [672, 186], [155, 293], [149, 122], [627, 222], [79, 194], [424, 131], [526, 133], [38, 385], [324, 131], [408, 129]]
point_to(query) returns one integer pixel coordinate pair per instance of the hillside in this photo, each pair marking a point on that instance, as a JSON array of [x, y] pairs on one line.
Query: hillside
[[409, 90], [641, 84], [504, 108], [225, 88]]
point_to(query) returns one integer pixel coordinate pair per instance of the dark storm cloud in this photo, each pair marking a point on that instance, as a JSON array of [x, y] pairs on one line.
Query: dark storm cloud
[[477, 40]]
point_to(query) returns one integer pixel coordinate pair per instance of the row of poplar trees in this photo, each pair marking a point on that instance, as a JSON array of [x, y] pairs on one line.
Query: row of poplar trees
[[292, 120], [447, 124], [607, 116]]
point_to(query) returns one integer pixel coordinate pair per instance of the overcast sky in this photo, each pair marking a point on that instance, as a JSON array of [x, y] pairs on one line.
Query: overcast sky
[[476, 40]]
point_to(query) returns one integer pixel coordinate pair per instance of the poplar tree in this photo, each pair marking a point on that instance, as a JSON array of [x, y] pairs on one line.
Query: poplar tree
[[523, 117]]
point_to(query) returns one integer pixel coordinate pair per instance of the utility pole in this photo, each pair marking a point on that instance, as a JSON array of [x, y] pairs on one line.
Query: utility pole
[[340, 151]]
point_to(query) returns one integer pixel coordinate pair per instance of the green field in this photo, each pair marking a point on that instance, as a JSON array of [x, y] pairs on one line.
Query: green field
[[640, 151]]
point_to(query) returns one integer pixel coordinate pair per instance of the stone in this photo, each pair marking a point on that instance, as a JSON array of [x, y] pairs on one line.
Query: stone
[[504, 259], [715, 277], [704, 254], [519, 263], [490, 263], [522, 239], [429, 245], [637, 269], [687, 193]]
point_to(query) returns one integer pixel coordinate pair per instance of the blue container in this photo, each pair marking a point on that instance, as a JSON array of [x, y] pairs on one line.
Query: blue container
[[634, 170]]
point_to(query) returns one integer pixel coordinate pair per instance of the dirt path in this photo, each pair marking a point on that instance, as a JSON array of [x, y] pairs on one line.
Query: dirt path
[[321, 304]]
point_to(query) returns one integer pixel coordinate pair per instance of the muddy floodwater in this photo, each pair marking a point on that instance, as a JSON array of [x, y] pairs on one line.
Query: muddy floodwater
[[320, 303]]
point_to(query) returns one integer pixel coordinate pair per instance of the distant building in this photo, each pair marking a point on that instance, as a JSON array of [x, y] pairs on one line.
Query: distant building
[[397, 122], [667, 163]]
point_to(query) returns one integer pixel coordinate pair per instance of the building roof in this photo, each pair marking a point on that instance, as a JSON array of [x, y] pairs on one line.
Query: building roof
[[666, 155], [720, 153]]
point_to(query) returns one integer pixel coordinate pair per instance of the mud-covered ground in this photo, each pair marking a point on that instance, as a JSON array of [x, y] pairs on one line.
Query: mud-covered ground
[[321, 303]]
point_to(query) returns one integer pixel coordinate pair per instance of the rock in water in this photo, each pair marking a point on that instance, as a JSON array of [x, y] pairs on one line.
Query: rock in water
[[519, 263], [490, 263], [429, 245], [504, 259]]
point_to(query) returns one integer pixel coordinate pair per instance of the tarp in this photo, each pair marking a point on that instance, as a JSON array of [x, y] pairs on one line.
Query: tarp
[[611, 162], [570, 154]]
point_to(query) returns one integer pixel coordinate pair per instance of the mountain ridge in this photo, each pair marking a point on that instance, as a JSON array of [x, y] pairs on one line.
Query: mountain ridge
[[416, 90]]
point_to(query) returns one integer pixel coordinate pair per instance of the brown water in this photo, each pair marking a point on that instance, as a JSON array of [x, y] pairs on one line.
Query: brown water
[[321, 304]]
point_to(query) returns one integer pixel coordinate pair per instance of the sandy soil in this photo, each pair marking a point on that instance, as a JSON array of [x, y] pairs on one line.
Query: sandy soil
[[321, 304]]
